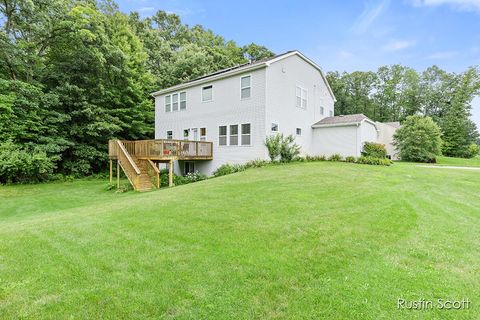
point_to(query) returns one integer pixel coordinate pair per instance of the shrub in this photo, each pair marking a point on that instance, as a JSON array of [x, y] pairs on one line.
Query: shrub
[[473, 150], [274, 144], [289, 150], [350, 159], [418, 139], [257, 163], [194, 177], [23, 165], [226, 168], [374, 161], [335, 157], [374, 150]]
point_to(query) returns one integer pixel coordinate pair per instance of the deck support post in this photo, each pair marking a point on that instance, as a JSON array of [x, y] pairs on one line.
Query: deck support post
[[170, 173], [111, 171], [118, 175]]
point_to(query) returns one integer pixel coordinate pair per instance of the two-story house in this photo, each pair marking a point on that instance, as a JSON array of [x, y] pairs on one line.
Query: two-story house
[[237, 108]]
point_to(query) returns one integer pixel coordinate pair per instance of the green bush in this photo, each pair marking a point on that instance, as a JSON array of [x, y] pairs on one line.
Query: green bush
[[335, 157], [315, 158], [274, 144], [374, 150], [418, 139], [23, 165], [227, 168], [374, 161], [350, 159], [257, 163], [473, 150], [289, 150]]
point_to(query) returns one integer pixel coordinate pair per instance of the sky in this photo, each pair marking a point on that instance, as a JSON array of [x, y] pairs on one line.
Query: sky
[[344, 35]]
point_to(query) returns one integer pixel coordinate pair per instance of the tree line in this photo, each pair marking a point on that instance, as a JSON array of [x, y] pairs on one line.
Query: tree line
[[74, 74], [393, 93]]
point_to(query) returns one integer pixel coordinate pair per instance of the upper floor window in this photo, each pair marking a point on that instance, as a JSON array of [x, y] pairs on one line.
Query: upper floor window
[[172, 101], [301, 97], [168, 103], [203, 134], [222, 135], [331, 113], [170, 134], [245, 87], [183, 100], [322, 110], [274, 126], [207, 93]]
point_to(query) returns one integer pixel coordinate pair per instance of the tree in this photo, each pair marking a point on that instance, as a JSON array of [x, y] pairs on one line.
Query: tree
[[418, 139]]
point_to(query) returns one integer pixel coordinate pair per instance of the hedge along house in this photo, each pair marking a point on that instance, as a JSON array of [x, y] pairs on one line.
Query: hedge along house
[[225, 117]]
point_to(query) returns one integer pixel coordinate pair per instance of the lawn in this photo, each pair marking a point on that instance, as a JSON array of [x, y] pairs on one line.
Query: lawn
[[447, 161], [305, 240]]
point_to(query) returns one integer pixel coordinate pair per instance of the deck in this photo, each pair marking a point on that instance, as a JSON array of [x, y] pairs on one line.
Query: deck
[[139, 159]]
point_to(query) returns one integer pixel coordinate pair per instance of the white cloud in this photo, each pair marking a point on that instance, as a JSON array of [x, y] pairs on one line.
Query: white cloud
[[398, 45], [369, 15], [465, 5], [146, 9], [442, 55]]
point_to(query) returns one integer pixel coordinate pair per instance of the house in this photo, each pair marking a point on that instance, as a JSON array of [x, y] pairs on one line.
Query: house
[[225, 117], [237, 108]]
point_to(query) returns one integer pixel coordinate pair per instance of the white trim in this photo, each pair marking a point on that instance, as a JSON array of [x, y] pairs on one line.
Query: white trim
[[201, 95], [302, 90], [167, 134], [250, 86], [344, 124]]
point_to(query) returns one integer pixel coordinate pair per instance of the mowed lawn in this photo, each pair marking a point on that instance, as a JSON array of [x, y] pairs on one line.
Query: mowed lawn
[[447, 161], [305, 240]]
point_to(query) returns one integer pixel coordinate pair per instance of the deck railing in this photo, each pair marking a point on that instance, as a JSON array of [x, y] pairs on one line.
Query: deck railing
[[165, 148]]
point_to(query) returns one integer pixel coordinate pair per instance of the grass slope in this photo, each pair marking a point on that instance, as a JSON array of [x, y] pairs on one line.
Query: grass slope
[[461, 162], [307, 240]]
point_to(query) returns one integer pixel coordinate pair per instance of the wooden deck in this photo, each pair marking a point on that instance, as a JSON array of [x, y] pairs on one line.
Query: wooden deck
[[139, 159]]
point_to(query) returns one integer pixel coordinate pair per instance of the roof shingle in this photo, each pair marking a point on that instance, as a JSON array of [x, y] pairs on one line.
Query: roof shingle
[[351, 118]]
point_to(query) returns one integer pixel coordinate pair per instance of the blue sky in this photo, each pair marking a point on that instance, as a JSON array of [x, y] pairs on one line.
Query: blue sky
[[344, 35]]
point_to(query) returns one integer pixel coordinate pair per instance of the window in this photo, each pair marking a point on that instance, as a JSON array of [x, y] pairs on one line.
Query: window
[[299, 131], [245, 87], [168, 103], [274, 126], [222, 135], [188, 167], [175, 102], [186, 133], [203, 134], [331, 113], [207, 93], [183, 100], [246, 134], [170, 134], [301, 97], [322, 111], [234, 135]]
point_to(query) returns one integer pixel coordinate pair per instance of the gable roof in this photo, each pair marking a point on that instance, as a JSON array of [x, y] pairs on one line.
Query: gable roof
[[343, 120], [242, 68]]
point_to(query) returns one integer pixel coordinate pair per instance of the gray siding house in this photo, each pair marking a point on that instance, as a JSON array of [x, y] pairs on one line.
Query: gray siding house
[[237, 108]]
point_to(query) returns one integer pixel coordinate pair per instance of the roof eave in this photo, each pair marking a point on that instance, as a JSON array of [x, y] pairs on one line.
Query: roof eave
[[209, 79], [344, 124]]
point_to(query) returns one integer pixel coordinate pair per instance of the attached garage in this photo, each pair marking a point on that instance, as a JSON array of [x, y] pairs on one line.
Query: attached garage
[[344, 135]]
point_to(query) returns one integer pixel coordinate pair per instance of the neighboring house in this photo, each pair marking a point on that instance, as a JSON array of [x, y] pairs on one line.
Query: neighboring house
[[237, 108]]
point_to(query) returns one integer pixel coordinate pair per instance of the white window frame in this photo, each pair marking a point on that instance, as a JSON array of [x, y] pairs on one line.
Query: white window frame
[[173, 103], [297, 130], [272, 125], [322, 110], [180, 101], [169, 96], [303, 97], [331, 113], [237, 135], [249, 86], [226, 135], [187, 131], [242, 134], [171, 136], [203, 137], [203, 87]]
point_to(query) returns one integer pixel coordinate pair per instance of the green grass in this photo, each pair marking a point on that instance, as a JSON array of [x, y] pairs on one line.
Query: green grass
[[306, 240], [447, 161]]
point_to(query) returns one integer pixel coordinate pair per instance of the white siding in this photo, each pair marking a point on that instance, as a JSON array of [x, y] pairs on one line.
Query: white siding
[[226, 108], [385, 136], [282, 78], [343, 140], [368, 133]]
